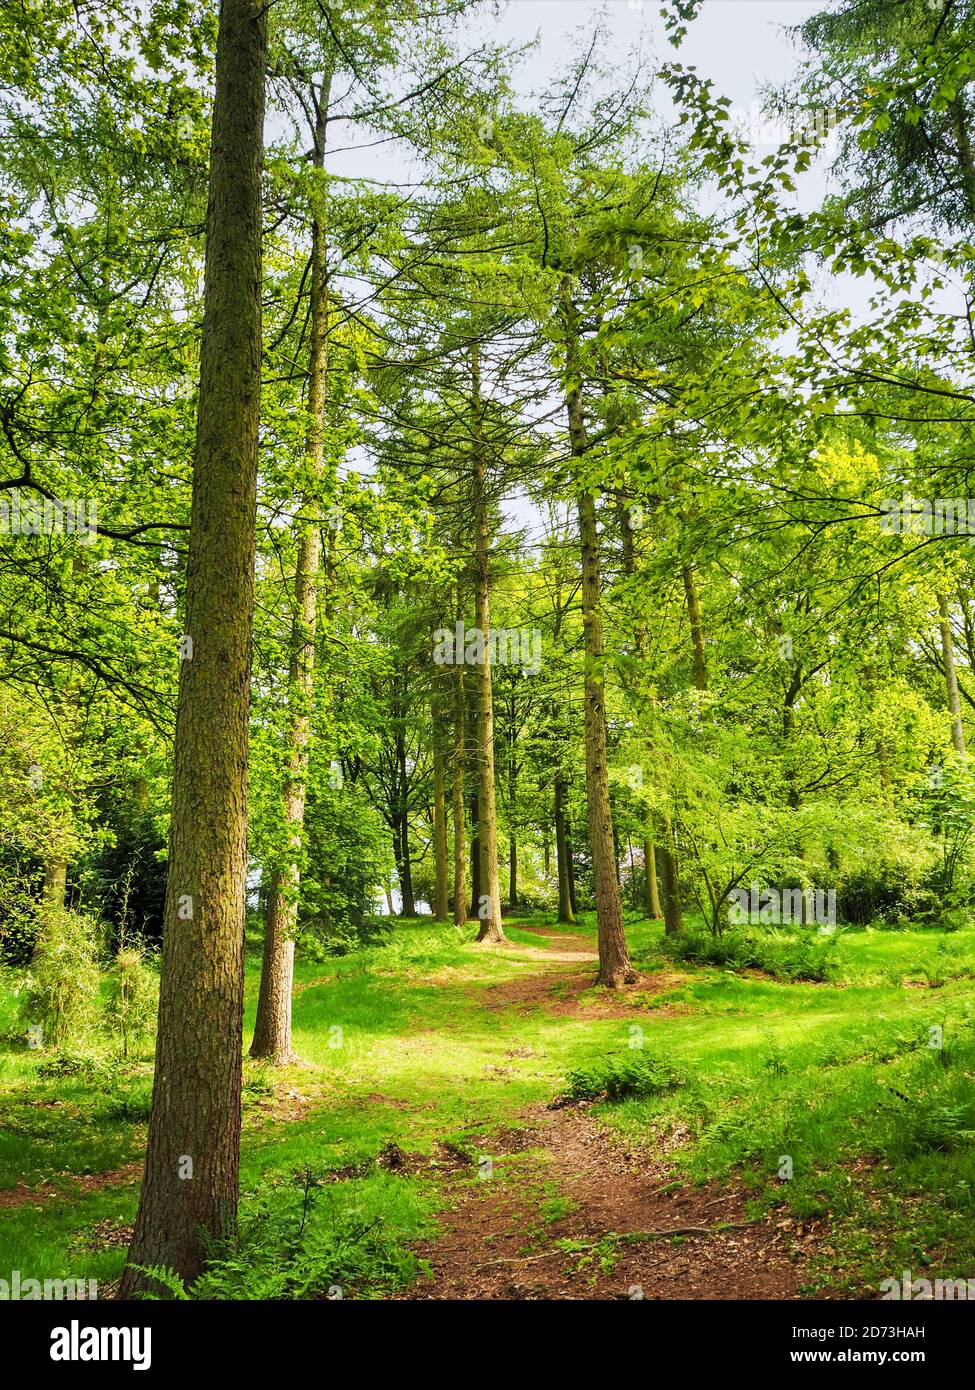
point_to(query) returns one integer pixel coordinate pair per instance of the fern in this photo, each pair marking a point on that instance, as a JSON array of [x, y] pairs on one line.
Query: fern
[[168, 1278]]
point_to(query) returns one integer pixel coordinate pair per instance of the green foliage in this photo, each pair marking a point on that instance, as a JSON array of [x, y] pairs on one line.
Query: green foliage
[[833, 1077], [125, 880], [132, 998], [783, 955], [61, 989], [304, 1245], [614, 1081], [775, 662], [884, 893]]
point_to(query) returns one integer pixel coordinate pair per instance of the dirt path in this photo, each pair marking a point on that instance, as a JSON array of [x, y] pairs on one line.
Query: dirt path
[[497, 1242], [568, 975], [569, 1212]]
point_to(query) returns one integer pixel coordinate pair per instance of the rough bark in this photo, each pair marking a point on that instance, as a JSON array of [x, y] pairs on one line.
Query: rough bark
[[408, 904], [475, 855], [512, 806], [651, 893], [570, 866], [669, 868], [196, 1093], [614, 962]]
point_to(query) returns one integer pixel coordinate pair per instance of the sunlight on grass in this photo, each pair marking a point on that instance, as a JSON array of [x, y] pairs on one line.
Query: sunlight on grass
[[408, 1044]]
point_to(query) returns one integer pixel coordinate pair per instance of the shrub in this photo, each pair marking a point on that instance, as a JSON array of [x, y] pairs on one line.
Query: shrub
[[302, 1245], [936, 1126], [61, 989], [67, 1062], [132, 1105], [617, 1081], [133, 997], [346, 855], [780, 954]]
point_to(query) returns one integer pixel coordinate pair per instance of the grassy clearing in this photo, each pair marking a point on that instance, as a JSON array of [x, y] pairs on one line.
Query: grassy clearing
[[411, 1044]]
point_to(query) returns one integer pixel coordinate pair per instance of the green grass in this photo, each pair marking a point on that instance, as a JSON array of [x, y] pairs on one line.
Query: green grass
[[404, 1043]]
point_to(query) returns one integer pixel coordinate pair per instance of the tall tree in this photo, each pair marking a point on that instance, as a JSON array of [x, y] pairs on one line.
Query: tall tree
[[272, 1026], [489, 897], [614, 960], [191, 1179]]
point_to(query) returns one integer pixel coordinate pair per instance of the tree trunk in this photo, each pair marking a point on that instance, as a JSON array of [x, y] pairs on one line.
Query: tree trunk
[[402, 832], [441, 907], [669, 869], [951, 677], [651, 901], [651, 893], [191, 1179], [614, 962], [408, 905], [512, 834], [489, 897], [460, 867], [673, 912], [566, 913], [475, 857], [272, 1025]]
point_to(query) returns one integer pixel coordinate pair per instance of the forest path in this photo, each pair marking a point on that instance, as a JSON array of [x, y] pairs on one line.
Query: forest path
[[579, 1215], [559, 1207], [560, 990]]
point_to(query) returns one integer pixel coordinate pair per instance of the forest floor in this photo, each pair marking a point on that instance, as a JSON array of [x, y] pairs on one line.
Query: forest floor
[[448, 1127]]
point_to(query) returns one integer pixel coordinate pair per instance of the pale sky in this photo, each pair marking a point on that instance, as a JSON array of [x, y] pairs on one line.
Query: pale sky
[[740, 44]]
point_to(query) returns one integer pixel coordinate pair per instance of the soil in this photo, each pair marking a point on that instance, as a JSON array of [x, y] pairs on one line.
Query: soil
[[87, 1182], [623, 1226], [558, 990], [496, 1244]]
